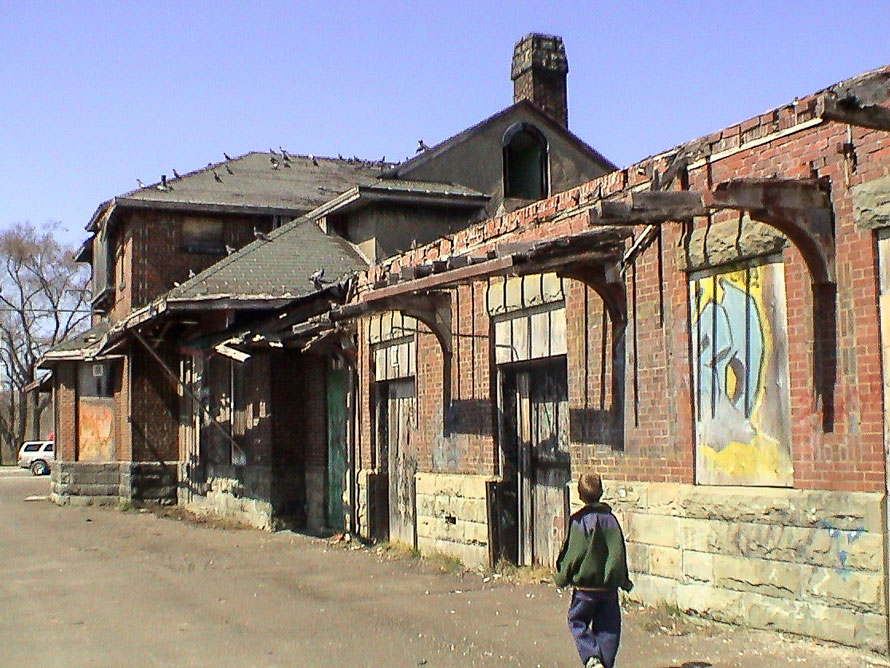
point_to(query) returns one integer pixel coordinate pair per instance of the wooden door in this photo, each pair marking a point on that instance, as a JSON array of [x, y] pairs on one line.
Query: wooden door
[[401, 465], [336, 470], [544, 468]]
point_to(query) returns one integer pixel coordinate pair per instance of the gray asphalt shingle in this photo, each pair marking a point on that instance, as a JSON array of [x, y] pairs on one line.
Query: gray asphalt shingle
[[277, 268]]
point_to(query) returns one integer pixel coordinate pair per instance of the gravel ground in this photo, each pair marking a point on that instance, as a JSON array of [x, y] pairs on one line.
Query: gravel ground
[[102, 587]]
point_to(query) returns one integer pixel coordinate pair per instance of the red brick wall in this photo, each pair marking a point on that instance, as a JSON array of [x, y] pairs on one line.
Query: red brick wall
[[149, 245], [658, 434], [154, 415], [66, 411]]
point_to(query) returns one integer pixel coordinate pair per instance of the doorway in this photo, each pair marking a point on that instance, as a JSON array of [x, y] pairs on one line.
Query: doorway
[[532, 499], [396, 408]]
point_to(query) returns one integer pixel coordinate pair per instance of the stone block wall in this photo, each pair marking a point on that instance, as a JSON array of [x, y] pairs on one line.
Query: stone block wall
[[799, 561], [452, 516], [239, 493], [109, 483], [81, 483]]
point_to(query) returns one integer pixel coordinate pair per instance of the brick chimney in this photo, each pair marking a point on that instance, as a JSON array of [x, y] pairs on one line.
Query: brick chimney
[[539, 74]]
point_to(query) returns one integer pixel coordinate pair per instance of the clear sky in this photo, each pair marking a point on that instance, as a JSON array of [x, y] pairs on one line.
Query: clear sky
[[94, 95]]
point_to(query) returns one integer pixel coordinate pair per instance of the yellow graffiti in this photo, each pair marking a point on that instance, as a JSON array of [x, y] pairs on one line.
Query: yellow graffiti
[[763, 459]]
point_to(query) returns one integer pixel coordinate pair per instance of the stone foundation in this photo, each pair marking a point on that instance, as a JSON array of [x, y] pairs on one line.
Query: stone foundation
[[239, 493], [371, 494], [806, 562], [452, 516], [90, 483]]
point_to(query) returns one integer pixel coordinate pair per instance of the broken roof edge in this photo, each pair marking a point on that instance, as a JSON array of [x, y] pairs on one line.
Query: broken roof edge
[[697, 148]]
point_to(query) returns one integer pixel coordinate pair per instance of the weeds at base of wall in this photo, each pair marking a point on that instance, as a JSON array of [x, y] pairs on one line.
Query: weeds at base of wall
[[391, 550], [522, 574], [126, 506], [204, 519], [442, 563], [665, 618]]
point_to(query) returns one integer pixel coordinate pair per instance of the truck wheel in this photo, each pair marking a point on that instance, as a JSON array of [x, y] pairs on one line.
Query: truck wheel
[[39, 467]]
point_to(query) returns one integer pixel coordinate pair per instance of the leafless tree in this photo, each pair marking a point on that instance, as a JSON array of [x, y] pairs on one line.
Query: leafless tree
[[44, 299]]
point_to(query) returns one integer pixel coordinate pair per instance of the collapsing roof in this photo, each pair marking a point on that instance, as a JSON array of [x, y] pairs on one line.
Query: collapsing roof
[[279, 265]]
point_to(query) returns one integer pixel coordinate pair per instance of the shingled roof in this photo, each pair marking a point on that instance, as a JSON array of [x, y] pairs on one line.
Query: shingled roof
[[81, 346], [275, 269], [297, 185]]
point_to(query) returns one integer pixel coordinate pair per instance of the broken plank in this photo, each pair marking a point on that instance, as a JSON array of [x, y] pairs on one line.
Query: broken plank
[[849, 110]]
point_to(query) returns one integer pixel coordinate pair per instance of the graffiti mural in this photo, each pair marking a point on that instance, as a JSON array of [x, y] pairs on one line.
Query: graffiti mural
[[740, 368]]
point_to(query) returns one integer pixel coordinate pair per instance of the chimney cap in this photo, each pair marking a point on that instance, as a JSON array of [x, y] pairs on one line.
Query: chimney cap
[[539, 51]]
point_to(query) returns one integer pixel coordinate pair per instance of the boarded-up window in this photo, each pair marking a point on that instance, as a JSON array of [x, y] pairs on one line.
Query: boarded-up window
[[393, 345], [740, 372], [95, 412], [94, 379], [203, 235], [884, 285]]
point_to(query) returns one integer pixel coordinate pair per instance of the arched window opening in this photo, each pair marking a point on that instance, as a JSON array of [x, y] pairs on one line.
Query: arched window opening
[[525, 162]]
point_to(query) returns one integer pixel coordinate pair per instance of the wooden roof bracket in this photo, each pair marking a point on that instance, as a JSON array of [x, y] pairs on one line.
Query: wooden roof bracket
[[433, 309], [801, 210], [608, 283]]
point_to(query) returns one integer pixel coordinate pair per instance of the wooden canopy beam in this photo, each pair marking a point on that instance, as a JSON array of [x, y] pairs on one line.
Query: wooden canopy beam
[[849, 110], [799, 208]]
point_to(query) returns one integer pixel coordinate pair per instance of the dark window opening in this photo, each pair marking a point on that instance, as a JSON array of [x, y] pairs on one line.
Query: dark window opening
[[203, 236], [525, 162], [94, 379]]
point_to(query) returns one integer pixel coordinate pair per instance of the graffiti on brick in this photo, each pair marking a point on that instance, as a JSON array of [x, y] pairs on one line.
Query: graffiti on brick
[[740, 367]]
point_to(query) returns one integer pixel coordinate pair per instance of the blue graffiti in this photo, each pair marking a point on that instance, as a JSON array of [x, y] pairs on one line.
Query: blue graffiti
[[851, 536], [731, 338]]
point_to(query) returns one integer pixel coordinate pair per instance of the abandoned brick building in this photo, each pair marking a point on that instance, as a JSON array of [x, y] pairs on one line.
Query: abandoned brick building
[[704, 328], [207, 377], [432, 351]]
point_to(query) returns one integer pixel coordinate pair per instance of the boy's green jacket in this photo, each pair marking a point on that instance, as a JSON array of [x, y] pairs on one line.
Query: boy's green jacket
[[593, 555]]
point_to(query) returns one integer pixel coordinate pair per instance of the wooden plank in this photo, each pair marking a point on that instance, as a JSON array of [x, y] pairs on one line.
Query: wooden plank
[[775, 193], [436, 280], [849, 110], [672, 203]]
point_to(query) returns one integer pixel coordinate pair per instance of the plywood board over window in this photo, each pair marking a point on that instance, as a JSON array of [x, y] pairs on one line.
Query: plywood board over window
[[884, 284], [95, 413], [528, 315], [740, 373]]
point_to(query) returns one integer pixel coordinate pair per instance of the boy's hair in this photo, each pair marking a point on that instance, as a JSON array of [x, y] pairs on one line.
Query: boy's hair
[[590, 487]]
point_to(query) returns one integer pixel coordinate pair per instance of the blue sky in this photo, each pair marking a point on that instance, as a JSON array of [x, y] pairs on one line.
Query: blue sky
[[94, 95]]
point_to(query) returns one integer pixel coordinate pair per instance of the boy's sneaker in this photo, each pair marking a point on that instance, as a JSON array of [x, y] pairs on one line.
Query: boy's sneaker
[[593, 662]]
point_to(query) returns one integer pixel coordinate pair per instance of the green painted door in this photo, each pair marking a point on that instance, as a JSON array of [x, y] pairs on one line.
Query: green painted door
[[336, 400]]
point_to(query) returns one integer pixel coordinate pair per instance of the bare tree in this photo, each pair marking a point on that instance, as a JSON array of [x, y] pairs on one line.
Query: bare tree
[[44, 299]]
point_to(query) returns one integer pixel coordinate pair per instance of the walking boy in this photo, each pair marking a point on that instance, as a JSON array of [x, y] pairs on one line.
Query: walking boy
[[594, 562]]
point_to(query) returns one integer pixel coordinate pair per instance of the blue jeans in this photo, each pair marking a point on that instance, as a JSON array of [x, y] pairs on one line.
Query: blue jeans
[[595, 622]]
